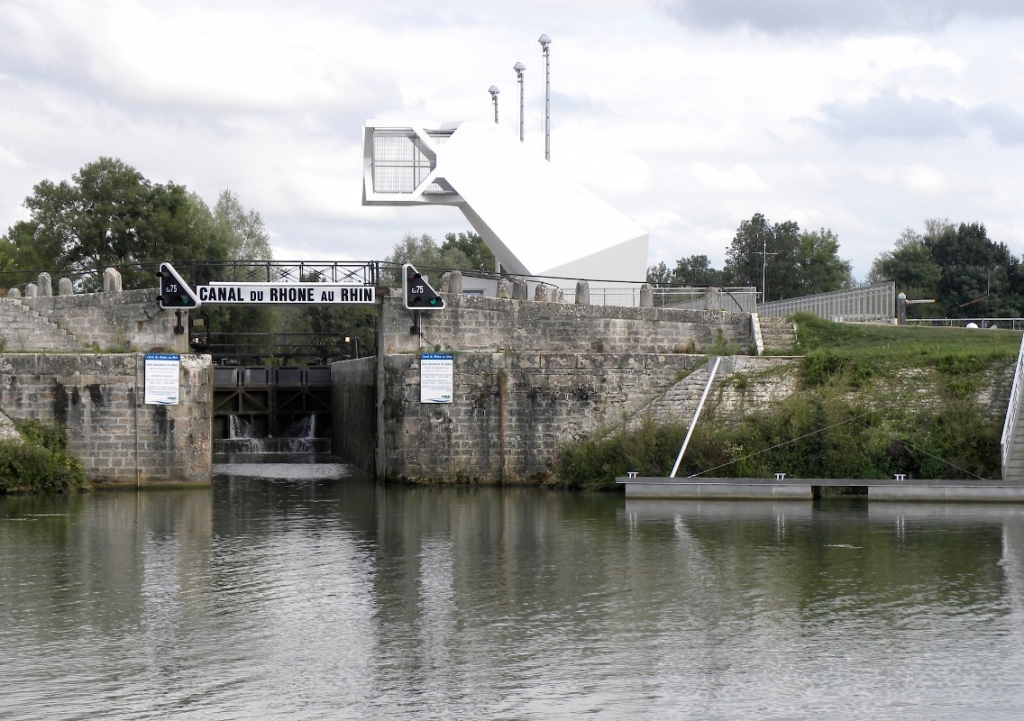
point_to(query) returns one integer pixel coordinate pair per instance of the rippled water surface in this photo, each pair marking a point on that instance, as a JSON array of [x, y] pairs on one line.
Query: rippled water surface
[[310, 594]]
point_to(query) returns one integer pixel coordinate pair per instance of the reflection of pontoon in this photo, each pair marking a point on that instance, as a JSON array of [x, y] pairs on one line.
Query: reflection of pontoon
[[534, 221]]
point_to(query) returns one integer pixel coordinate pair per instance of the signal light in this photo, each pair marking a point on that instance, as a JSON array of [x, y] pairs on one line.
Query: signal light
[[174, 292], [416, 291]]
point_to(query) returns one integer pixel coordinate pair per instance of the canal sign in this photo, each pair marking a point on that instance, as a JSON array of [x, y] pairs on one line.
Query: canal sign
[[284, 294]]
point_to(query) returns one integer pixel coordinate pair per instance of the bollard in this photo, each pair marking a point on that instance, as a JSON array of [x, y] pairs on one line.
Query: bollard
[[111, 280], [64, 287], [520, 290], [557, 296], [540, 293], [582, 293], [455, 281], [503, 289], [31, 290], [45, 285], [646, 296], [14, 293]]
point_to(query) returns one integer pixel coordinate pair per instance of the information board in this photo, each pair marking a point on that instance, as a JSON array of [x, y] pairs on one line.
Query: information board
[[162, 386], [437, 377]]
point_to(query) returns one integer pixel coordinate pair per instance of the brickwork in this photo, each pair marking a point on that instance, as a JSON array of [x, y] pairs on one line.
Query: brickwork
[[97, 398]]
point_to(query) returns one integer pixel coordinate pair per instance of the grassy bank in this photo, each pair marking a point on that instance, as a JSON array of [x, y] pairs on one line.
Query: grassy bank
[[844, 421], [39, 463]]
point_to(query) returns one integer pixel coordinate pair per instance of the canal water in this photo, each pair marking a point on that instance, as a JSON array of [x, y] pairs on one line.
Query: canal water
[[307, 593]]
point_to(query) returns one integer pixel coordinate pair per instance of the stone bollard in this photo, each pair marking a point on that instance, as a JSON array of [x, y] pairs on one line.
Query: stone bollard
[[31, 290], [455, 281], [540, 293], [557, 296], [582, 292], [520, 290], [64, 287], [111, 281], [711, 299], [445, 279], [646, 296], [14, 293], [45, 285], [503, 289]]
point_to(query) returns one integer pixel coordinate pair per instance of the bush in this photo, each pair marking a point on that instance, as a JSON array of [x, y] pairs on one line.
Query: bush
[[40, 463]]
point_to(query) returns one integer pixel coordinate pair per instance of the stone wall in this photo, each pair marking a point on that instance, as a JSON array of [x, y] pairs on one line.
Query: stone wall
[[97, 398], [119, 321], [353, 412], [475, 323], [512, 411]]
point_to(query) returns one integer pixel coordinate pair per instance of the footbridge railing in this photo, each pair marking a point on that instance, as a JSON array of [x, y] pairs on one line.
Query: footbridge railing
[[1010, 443]]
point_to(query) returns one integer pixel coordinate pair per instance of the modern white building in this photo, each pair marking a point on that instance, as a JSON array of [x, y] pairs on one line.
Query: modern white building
[[536, 222]]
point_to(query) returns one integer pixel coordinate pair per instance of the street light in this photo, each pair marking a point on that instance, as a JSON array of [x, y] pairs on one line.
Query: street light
[[493, 90], [545, 43], [520, 69]]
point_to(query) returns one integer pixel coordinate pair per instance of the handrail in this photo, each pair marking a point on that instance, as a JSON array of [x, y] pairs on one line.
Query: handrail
[[693, 423], [1011, 412]]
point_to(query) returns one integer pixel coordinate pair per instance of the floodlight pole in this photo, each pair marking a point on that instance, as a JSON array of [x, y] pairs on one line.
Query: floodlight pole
[[520, 69], [545, 43], [493, 90]]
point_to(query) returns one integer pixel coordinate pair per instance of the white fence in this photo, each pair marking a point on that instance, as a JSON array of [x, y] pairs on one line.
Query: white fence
[[868, 303]]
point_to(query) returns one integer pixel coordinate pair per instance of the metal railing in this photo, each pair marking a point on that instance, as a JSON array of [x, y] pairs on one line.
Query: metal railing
[[256, 348], [868, 303], [1003, 323], [1009, 425]]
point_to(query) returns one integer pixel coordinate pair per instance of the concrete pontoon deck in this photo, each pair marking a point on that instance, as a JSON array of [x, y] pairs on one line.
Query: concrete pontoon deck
[[810, 488]]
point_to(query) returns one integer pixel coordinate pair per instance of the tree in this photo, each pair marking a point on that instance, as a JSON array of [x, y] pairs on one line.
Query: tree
[[478, 256], [430, 258], [959, 266], [248, 236], [820, 269], [797, 263], [110, 215]]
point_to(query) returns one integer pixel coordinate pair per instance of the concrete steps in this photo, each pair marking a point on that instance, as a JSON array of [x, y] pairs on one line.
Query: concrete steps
[[778, 334], [23, 329]]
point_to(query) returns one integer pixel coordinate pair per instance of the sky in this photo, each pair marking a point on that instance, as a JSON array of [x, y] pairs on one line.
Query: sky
[[689, 116]]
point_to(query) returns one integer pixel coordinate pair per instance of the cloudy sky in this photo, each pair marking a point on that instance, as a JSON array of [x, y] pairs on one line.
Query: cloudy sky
[[687, 115]]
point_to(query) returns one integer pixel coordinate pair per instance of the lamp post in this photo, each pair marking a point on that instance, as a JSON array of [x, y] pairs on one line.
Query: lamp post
[[520, 69], [545, 43], [493, 90]]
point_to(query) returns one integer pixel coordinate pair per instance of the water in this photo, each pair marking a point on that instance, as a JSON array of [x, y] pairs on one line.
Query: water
[[299, 438], [302, 593]]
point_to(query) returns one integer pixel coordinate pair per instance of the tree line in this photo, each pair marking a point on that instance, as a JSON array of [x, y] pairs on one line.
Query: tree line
[[109, 214], [957, 265]]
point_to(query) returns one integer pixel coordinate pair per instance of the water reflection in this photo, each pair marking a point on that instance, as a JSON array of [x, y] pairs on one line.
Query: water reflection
[[291, 595]]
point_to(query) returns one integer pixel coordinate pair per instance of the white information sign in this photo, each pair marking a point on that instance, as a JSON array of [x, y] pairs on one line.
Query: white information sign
[[162, 378], [283, 294], [437, 377]]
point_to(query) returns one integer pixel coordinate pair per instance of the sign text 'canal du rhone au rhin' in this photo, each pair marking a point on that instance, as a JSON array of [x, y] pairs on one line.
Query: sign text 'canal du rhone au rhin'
[[283, 294]]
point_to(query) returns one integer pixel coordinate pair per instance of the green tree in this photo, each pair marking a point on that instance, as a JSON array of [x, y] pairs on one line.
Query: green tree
[[659, 275], [966, 272], [793, 263], [478, 256], [110, 215], [819, 267], [428, 257]]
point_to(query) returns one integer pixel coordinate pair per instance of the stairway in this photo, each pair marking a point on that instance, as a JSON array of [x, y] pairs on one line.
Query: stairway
[[678, 404], [23, 329], [778, 334]]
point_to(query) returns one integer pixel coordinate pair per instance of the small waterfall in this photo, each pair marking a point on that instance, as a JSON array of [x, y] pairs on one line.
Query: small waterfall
[[299, 438]]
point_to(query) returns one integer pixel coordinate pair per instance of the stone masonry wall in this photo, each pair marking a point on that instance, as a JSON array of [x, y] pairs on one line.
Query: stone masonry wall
[[353, 411], [119, 321], [475, 323], [97, 398]]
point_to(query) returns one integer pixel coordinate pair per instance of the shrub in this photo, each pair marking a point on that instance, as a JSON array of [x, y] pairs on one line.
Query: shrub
[[40, 463]]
